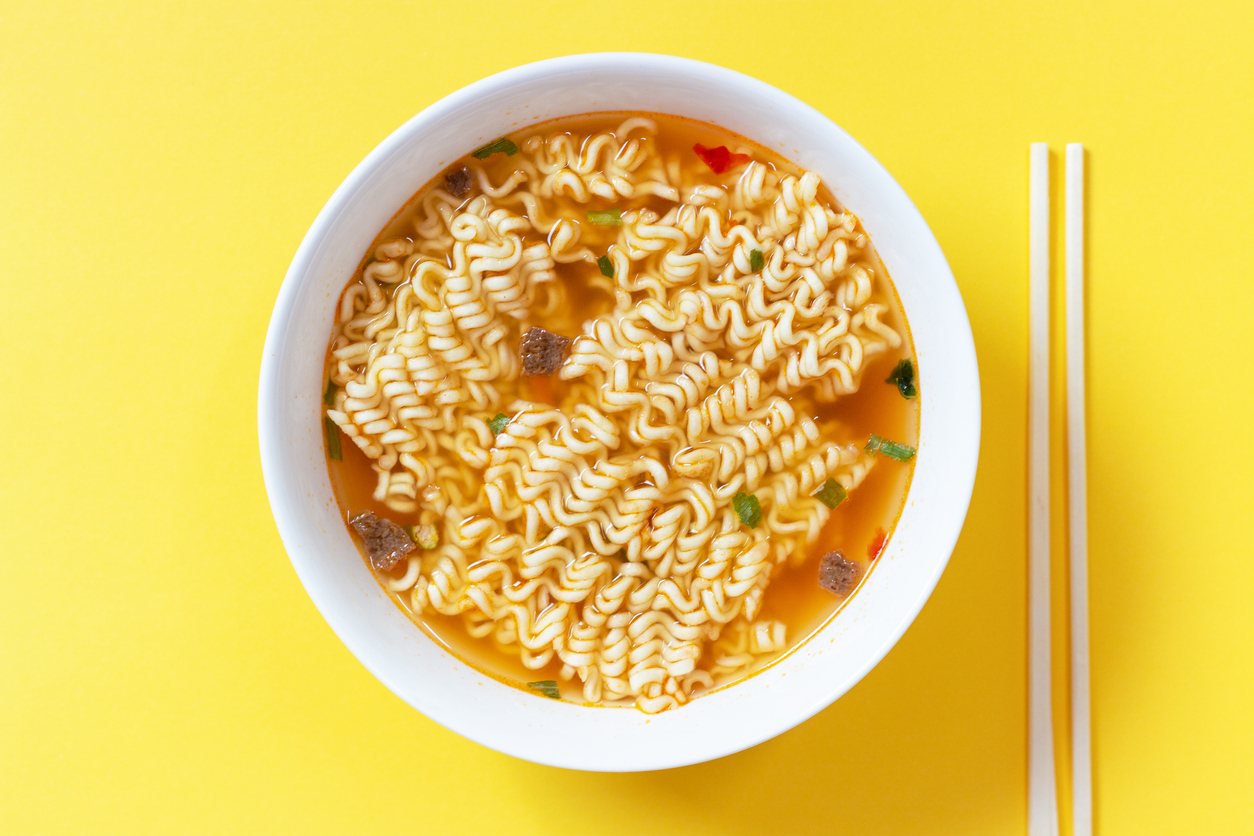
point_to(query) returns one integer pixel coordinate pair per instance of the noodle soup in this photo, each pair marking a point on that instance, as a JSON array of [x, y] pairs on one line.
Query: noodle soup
[[621, 408]]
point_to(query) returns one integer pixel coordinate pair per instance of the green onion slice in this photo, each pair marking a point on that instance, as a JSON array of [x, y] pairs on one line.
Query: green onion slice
[[903, 378], [333, 441], [900, 452], [547, 687], [610, 217], [607, 269], [756, 262], [831, 493], [504, 145], [424, 536], [328, 397], [747, 508], [497, 423]]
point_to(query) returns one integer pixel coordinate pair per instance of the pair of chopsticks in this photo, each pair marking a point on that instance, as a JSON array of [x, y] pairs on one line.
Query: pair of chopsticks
[[1042, 788]]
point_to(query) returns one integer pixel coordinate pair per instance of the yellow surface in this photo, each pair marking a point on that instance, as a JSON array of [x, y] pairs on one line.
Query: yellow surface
[[161, 668]]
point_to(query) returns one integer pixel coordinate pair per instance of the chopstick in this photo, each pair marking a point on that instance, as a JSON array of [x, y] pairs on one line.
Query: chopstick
[[1042, 789], [1077, 492]]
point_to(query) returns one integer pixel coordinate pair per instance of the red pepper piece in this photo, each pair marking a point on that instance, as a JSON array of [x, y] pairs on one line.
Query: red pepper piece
[[719, 159], [877, 544]]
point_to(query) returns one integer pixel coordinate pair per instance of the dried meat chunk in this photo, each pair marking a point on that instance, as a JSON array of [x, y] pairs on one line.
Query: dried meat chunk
[[836, 574], [542, 351], [385, 541], [458, 182]]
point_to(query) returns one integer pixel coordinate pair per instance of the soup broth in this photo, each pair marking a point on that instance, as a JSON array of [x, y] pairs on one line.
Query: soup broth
[[649, 521]]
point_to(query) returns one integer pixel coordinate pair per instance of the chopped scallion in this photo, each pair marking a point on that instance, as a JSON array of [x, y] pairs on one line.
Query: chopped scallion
[[546, 687], [831, 493], [900, 452], [333, 441], [903, 378], [747, 508], [610, 217], [504, 145], [424, 536], [607, 269], [756, 261], [328, 397], [498, 422]]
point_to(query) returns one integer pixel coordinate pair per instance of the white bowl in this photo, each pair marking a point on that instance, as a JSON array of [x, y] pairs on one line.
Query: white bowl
[[476, 706]]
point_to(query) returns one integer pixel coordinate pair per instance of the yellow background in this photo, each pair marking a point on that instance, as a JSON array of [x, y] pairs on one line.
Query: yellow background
[[161, 668]]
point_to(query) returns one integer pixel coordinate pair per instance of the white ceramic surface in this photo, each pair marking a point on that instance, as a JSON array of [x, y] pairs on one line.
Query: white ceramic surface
[[476, 706]]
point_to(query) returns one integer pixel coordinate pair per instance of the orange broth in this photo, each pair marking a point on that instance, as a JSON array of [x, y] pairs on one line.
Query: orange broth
[[793, 596]]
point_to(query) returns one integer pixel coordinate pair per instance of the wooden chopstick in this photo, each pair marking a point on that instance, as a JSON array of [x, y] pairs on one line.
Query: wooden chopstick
[[1077, 493], [1042, 789]]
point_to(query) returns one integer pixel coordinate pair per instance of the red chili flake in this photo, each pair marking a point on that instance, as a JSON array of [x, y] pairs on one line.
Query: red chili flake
[[877, 544], [720, 159]]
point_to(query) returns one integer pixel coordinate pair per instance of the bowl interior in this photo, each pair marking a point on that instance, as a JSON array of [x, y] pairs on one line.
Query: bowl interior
[[477, 706]]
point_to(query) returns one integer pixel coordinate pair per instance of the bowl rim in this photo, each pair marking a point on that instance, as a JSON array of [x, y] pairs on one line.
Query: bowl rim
[[281, 322]]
